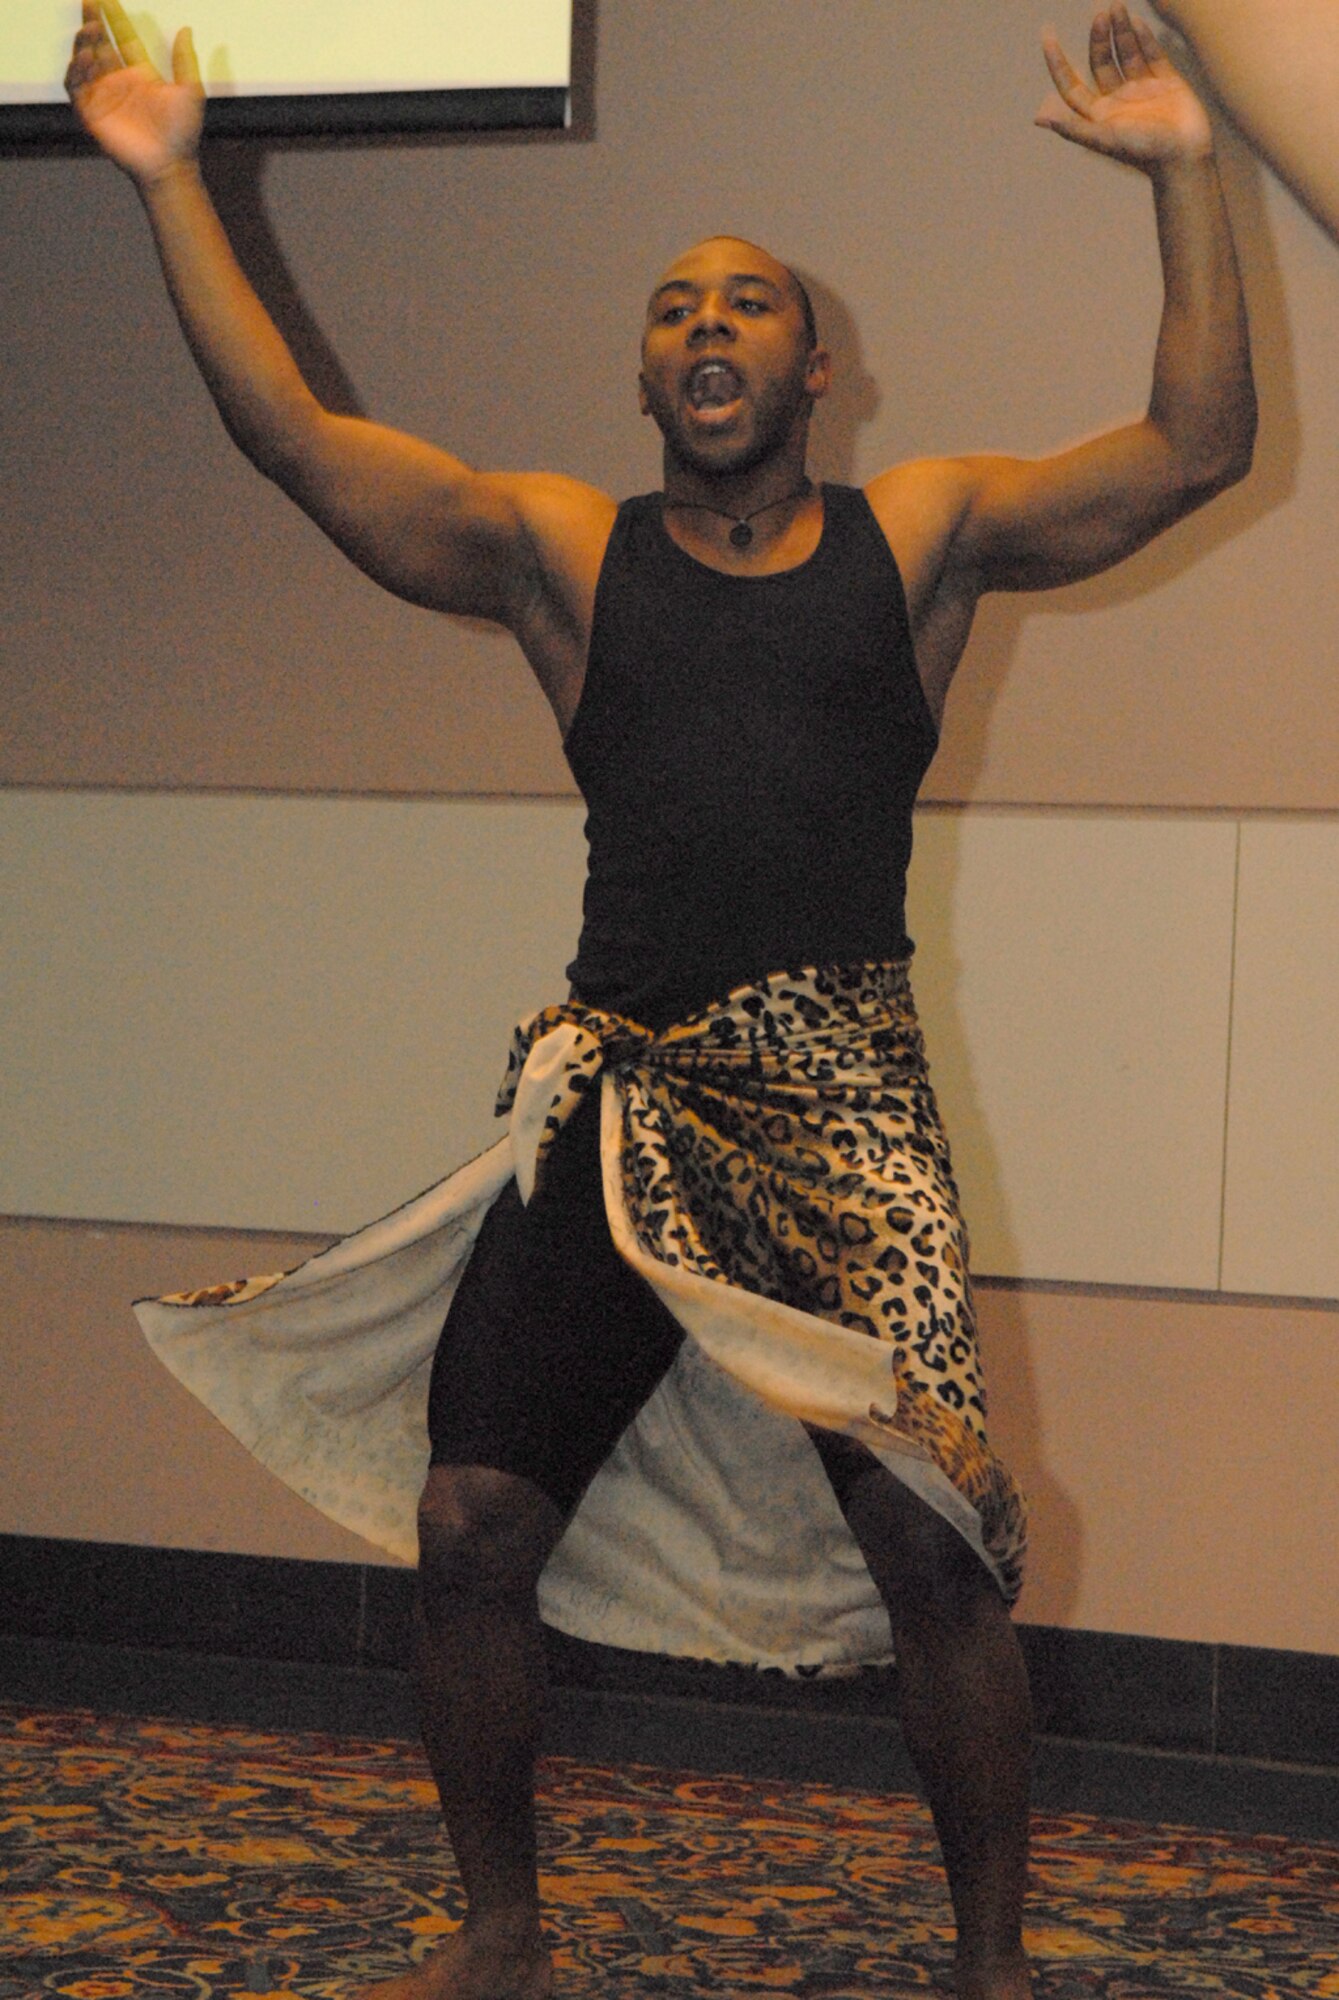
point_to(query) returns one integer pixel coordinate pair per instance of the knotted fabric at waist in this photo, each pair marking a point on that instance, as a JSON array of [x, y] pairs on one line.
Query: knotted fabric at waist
[[838, 1032], [774, 1168]]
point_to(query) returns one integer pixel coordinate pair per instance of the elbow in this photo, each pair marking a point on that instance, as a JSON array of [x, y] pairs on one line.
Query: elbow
[[1229, 471], [1245, 429], [279, 434], [1240, 465], [1221, 456]]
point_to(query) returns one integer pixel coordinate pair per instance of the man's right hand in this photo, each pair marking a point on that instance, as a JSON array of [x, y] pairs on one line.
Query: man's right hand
[[141, 121]]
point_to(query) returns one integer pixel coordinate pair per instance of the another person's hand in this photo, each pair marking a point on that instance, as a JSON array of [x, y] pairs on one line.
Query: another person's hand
[[141, 121], [1140, 109]]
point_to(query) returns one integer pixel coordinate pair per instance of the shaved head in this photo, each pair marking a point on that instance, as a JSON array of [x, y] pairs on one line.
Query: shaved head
[[754, 259]]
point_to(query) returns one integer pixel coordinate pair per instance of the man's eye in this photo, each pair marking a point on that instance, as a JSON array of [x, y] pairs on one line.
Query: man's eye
[[673, 313], [753, 305]]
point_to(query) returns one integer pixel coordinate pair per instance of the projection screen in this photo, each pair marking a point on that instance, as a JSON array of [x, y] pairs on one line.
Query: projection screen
[[330, 68]]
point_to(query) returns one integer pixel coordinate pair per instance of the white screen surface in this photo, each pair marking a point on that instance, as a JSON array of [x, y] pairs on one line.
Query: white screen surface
[[253, 48]]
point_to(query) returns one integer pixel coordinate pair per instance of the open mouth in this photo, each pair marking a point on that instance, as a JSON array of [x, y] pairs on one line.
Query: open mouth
[[713, 384]]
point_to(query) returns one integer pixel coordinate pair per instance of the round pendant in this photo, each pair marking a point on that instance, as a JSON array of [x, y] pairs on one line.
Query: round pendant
[[741, 534]]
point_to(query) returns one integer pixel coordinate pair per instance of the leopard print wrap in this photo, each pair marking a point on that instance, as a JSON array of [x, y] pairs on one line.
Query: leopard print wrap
[[787, 1141]]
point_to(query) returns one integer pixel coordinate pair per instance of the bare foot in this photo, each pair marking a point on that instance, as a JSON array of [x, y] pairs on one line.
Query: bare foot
[[478, 1962], [1003, 1979]]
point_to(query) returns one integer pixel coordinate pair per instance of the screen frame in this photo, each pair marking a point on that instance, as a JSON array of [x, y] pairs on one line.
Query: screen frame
[[325, 114]]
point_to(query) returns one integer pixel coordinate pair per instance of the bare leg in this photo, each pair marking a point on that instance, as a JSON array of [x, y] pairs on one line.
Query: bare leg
[[965, 1712], [1277, 71], [484, 1538]]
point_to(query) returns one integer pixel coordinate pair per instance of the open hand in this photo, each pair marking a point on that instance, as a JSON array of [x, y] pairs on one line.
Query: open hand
[[1140, 108], [140, 120]]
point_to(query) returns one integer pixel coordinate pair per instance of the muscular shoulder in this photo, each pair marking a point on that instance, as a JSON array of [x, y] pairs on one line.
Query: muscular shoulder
[[555, 505]]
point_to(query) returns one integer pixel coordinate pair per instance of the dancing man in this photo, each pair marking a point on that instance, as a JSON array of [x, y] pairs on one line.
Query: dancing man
[[749, 672]]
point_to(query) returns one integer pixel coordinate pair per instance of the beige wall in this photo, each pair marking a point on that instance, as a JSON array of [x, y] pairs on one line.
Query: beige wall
[[171, 627], [100, 1443], [982, 283]]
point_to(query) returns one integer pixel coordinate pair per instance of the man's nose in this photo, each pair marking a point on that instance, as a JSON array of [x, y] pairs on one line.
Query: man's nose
[[710, 322]]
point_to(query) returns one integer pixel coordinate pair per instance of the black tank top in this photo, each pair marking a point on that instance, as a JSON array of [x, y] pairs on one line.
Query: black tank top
[[749, 749]]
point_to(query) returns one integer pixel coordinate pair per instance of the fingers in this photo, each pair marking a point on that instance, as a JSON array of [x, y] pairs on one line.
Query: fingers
[[123, 32], [106, 41], [185, 62], [1122, 48], [1154, 54], [1136, 48], [91, 38], [93, 54], [1069, 85], [1102, 52]]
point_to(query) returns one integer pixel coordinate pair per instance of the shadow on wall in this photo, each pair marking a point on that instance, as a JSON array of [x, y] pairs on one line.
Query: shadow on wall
[[235, 175], [1006, 1340], [1017, 1430], [235, 171], [989, 657], [853, 400], [1273, 478], [1054, 1570]]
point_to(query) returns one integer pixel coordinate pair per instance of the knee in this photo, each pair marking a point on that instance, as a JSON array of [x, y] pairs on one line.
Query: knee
[[481, 1535], [930, 1578], [950, 1590]]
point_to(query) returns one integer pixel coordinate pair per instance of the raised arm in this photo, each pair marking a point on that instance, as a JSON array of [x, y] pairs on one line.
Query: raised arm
[[418, 520], [998, 523], [1277, 71]]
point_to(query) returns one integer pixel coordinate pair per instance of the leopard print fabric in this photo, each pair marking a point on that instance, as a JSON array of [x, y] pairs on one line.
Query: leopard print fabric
[[787, 1142]]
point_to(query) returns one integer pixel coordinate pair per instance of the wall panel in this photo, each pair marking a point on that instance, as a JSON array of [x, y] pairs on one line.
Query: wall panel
[[292, 1013], [1282, 1197], [266, 1013], [97, 1441], [1179, 1458], [1074, 976]]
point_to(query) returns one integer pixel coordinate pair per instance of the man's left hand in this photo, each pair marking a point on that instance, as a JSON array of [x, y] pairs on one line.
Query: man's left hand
[[1139, 109]]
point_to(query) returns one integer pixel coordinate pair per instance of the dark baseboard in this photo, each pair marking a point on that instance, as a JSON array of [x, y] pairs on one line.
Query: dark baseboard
[[1224, 1735], [851, 1749]]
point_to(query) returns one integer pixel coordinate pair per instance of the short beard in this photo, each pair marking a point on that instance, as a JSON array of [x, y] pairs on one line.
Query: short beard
[[725, 461], [718, 464]]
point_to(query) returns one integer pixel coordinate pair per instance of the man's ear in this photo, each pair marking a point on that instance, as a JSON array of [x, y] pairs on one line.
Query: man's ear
[[818, 372]]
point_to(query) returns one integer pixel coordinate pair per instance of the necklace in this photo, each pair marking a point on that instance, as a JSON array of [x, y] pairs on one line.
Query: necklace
[[741, 534]]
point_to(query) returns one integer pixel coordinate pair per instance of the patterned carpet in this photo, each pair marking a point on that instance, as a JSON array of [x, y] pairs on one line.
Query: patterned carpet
[[161, 1858]]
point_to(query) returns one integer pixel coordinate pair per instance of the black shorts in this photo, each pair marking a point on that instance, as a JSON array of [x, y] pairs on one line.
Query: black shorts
[[552, 1343]]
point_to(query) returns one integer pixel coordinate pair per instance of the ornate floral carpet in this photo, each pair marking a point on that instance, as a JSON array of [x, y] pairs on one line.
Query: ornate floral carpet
[[164, 1858]]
